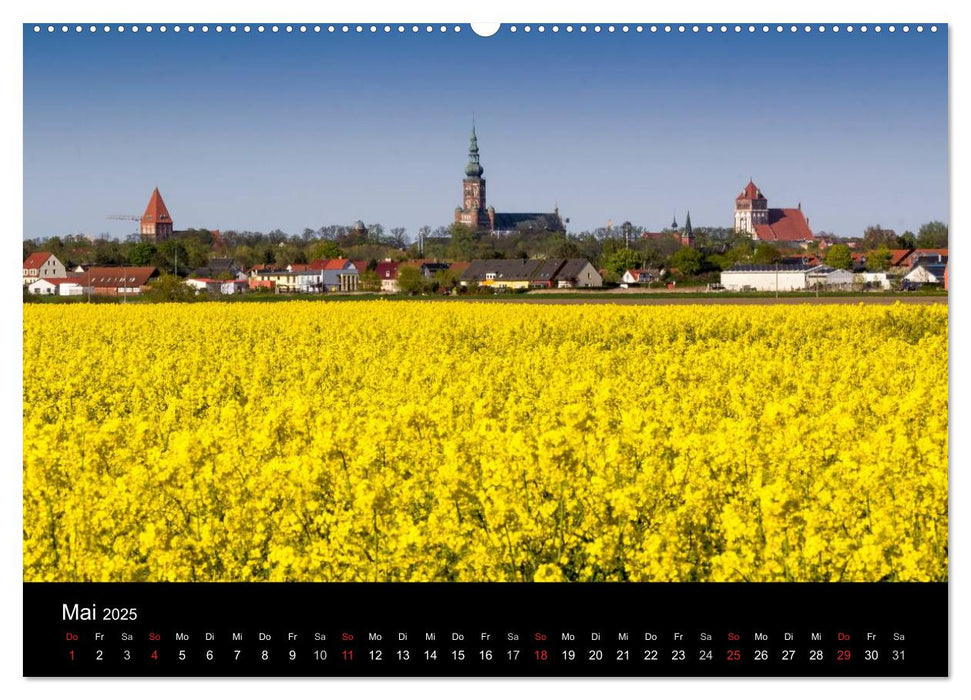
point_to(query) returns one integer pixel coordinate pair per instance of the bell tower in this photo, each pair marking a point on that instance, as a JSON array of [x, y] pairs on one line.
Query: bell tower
[[156, 223], [473, 211], [751, 208]]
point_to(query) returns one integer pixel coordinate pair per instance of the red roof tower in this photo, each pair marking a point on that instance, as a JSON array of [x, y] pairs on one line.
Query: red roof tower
[[751, 209], [156, 221]]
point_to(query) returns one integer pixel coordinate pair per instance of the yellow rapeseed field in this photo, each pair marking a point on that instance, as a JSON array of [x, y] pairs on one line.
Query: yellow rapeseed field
[[451, 441]]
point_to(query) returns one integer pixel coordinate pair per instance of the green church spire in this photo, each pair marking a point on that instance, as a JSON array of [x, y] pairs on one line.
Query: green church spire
[[472, 168]]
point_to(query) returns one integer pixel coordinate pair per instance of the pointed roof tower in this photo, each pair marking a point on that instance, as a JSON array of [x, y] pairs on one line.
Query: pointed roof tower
[[687, 224], [751, 191], [156, 211], [473, 168]]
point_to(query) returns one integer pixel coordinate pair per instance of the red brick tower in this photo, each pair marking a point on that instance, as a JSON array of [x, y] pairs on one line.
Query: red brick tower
[[156, 222]]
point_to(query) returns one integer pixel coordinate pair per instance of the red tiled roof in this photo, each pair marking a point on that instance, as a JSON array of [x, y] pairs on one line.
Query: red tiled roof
[[784, 225], [459, 266], [387, 270], [331, 264], [751, 191], [35, 260], [898, 256], [117, 276], [920, 252], [64, 280], [156, 211], [259, 267]]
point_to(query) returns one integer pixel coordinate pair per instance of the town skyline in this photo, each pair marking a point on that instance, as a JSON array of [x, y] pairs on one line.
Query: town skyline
[[384, 139]]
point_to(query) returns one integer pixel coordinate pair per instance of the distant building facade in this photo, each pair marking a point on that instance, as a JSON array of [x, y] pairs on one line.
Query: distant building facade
[[156, 223], [754, 217], [41, 265], [476, 215], [557, 273]]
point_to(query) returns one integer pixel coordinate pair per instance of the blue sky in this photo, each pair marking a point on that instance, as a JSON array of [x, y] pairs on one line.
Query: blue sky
[[263, 131]]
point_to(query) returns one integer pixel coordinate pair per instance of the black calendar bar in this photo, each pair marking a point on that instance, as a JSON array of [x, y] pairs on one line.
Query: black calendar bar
[[436, 629]]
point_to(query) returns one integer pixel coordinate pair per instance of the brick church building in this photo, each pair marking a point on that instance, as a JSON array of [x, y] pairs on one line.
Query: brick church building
[[475, 214], [753, 216]]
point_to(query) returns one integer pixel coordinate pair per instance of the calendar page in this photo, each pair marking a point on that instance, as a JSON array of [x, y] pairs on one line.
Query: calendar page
[[302, 396]]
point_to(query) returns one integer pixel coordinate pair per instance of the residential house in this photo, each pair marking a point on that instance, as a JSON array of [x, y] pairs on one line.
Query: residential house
[[501, 274], [577, 273], [928, 272], [561, 273], [339, 274], [639, 276], [220, 269], [297, 277], [42, 265], [44, 286], [387, 272]]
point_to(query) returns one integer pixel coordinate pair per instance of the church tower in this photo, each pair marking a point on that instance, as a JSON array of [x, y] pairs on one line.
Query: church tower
[[687, 235], [156, 224], [751, 208], [473, 211]]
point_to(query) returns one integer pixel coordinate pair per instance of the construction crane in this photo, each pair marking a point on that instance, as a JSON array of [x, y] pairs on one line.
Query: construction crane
[[123, 217]]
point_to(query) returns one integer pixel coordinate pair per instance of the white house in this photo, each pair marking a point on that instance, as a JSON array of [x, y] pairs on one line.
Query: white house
[[765, 278], [926, 273], [640, 276], [65, 286], [204, 284], [233, 286], [295, 278], [42, 265], [42, 286]]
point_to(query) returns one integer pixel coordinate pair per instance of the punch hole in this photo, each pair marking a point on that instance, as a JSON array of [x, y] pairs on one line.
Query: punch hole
[[485, 28]]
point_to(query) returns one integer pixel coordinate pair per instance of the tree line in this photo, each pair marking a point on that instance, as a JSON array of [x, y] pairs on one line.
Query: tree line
[[612, 250]]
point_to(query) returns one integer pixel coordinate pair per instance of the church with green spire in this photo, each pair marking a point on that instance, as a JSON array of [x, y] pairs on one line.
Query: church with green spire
[[475, 214]]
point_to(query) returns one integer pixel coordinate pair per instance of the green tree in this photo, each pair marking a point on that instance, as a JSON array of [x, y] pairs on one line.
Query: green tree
[[766, 254], [446, 279], [932, 235], [368, 280], [462, 245], [689, 261], [171, 288], [410, 279], [908, 240], [618, 262], [141, 254], [839, 256], [878, 260], [324, 250]]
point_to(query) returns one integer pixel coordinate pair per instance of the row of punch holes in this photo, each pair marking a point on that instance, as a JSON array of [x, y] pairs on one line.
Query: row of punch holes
[[513, 29]]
